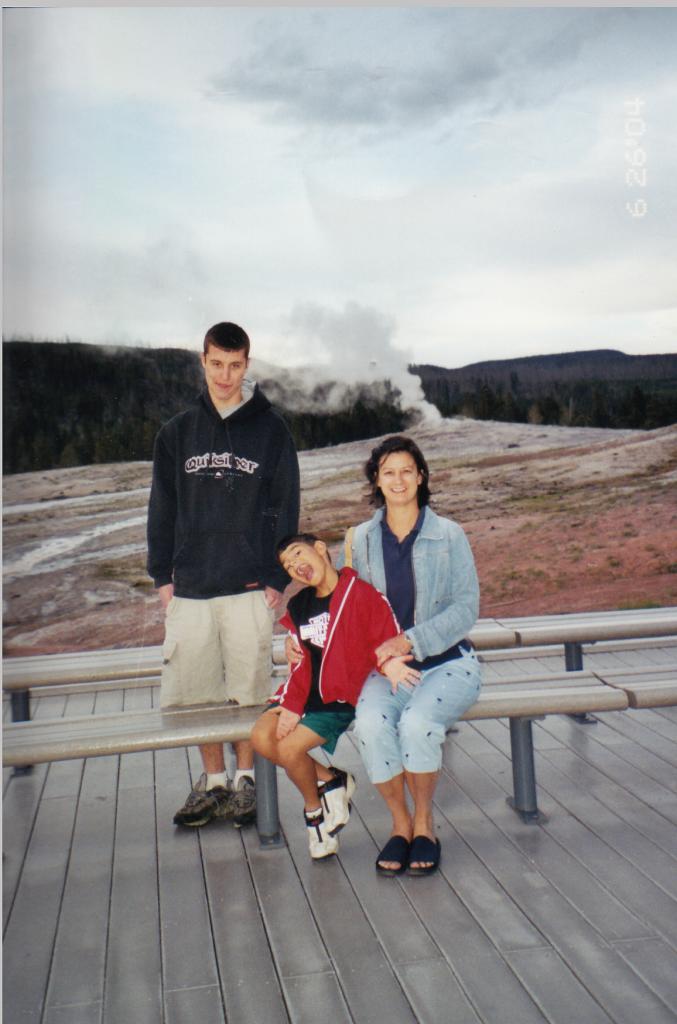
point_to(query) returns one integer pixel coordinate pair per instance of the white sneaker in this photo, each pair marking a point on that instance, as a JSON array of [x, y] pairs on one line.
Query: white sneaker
[[336, 796], [320, 843]]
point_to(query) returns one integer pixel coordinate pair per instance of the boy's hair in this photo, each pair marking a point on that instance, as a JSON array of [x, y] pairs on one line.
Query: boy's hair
[[297, 538], [397, 443], [229, 337]]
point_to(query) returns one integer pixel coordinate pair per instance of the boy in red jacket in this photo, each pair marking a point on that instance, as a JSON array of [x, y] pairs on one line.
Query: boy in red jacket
[[337, 621]]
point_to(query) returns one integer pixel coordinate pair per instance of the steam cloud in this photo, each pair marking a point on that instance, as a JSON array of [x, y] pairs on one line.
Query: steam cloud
[[347, 350]]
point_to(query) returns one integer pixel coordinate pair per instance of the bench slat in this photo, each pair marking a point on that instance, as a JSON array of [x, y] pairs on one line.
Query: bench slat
[[487, 634], [126, 732], [537, 700], [652, 688], [97, 736], [602, 629]]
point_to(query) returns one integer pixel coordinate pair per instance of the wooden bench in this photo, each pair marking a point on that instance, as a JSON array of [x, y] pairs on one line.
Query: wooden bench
[[44, 740], [521, 700]]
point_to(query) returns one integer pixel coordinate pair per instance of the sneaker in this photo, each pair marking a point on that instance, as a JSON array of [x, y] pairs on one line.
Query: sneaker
[[336, 796], [205, 804], [321, 844], [244, 802]]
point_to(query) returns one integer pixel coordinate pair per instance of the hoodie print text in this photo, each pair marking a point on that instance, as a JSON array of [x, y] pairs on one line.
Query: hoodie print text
[[223, 460]]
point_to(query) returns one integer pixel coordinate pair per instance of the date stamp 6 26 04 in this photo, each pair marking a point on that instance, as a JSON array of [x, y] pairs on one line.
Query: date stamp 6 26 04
[[635, 155]]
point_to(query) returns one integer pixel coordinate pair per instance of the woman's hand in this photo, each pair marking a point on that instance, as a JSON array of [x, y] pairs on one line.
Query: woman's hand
[[393, 648], [291, 651], [286, 723], [398, 671]]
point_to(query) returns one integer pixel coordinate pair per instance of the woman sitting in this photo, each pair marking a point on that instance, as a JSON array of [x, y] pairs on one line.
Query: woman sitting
[[424, 565]]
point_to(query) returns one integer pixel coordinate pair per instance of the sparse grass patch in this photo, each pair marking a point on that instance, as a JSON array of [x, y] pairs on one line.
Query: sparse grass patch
[[636, 604], [536, 502], [133, 573]]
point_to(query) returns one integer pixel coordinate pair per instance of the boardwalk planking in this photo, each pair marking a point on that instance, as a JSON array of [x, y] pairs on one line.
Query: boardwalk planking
[[601, 747], [118, 916], [656, 963], [649, 843], [189, 961], [21, 799], [133, 982], [605, 913], [591, 958], [653, 913], [479, 970], [364, 974]]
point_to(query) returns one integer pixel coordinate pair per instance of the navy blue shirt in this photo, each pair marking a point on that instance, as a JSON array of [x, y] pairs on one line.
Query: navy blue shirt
[[401, 587], [399, 569]]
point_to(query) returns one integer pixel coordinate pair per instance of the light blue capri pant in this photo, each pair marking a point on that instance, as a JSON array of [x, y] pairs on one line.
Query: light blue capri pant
[[406, 729]]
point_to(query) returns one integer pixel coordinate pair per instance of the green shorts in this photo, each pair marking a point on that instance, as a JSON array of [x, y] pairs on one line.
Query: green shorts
[[329, 724]]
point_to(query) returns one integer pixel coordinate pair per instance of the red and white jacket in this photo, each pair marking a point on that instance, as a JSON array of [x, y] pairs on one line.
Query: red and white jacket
[[360, 619]]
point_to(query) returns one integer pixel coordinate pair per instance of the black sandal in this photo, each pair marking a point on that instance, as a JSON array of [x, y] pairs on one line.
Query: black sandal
[[427, 851], [396, 849]]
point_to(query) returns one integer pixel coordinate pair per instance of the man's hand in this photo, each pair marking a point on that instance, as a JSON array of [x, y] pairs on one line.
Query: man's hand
[[286, 723], [291, 651], [165, 593], [393, 648], [272, 596], [398, 671]]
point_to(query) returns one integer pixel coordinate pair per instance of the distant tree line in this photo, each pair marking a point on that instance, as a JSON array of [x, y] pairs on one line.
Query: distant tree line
[[73, 404], [590, 389]]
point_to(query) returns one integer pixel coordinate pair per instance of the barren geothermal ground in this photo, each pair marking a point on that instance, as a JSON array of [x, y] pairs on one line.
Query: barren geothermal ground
[[560, 520]]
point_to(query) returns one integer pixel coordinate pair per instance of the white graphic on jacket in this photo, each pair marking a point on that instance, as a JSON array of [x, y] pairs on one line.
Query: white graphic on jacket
[[224, 460], [315, 630]]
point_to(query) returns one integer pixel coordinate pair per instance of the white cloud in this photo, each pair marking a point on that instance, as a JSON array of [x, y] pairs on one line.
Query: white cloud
[[460, 171]]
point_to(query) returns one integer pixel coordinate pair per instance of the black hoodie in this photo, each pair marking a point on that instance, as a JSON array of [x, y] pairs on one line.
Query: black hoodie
[[224, 492]]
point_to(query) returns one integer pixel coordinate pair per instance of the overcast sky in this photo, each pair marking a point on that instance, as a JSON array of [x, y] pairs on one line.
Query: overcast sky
[[447, 183]]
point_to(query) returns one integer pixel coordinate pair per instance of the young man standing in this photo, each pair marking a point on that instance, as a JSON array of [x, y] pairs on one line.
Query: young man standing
[[225, 490]]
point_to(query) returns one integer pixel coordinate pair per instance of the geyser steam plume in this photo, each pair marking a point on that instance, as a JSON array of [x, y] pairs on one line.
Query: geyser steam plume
[[344, 350]]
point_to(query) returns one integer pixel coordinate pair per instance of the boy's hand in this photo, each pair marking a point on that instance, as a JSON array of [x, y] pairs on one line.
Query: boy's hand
[[286, 723], [398, 671], [292, 652]]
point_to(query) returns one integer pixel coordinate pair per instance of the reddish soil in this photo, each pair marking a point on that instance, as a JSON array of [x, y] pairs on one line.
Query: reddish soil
[[560, 520]]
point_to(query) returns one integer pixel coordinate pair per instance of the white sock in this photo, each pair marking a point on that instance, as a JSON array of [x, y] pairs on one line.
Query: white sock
[[240, 774], [314, 814], [217, 779]]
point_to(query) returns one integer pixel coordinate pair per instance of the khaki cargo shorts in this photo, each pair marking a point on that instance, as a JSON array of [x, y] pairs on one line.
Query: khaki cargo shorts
[[217, 649]]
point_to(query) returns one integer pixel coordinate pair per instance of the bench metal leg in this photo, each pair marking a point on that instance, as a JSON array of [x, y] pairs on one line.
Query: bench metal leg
[[21, 712], [573, 662], [267, 816], [21, 706], [523, 772]]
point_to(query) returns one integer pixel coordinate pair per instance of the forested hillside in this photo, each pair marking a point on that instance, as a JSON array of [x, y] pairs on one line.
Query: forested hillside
[[72, 404], [600, 388], [69, 404]]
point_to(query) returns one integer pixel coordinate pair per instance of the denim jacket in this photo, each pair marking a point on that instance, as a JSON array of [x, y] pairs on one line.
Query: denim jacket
[[447, 589]]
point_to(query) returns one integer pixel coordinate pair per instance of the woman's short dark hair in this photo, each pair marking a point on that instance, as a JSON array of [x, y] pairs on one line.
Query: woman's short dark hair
[[397, 443]]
